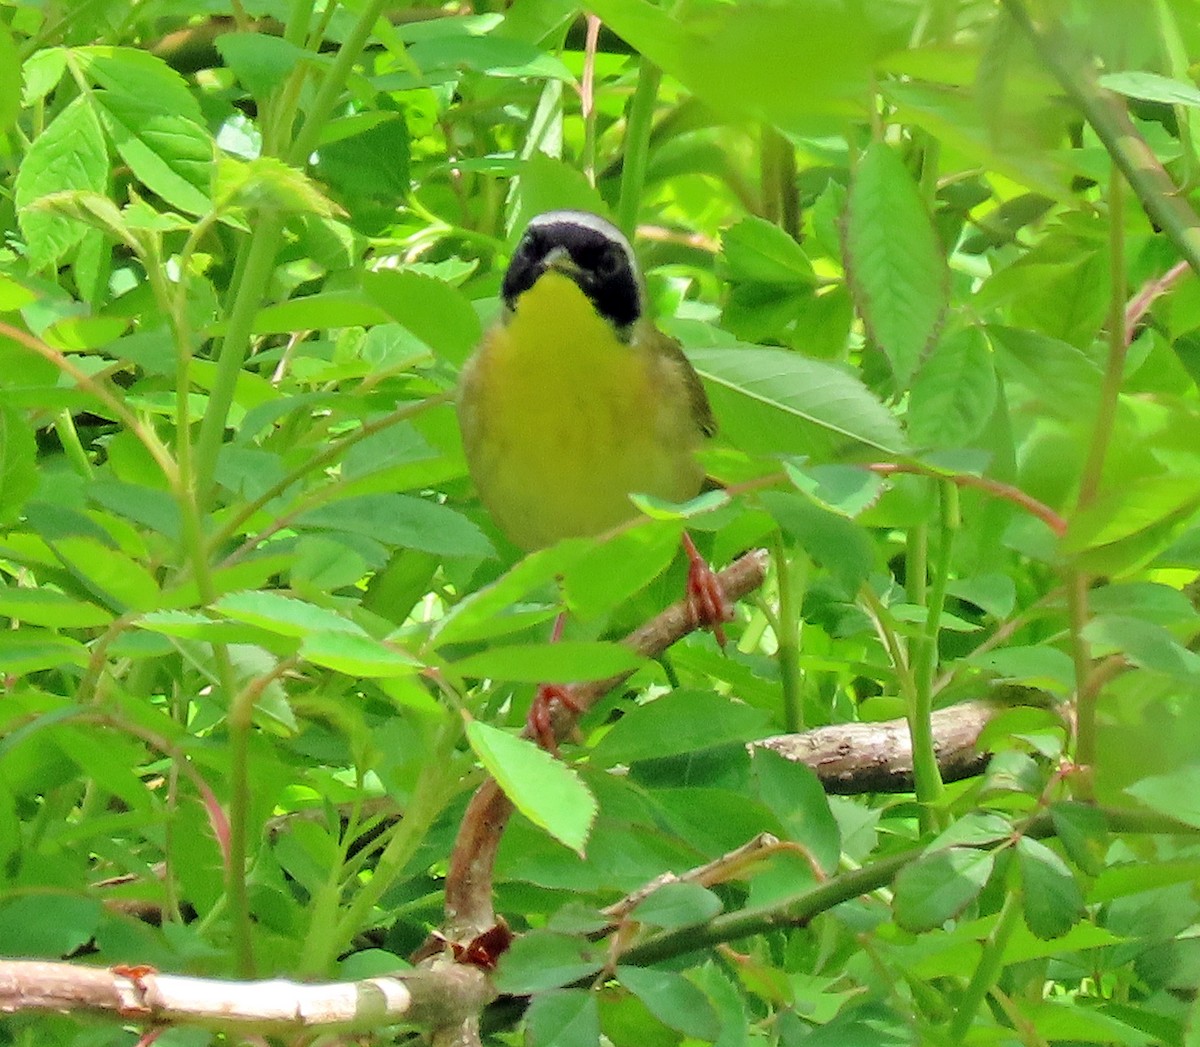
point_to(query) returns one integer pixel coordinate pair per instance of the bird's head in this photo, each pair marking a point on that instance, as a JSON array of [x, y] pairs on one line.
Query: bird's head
[[589, 250]]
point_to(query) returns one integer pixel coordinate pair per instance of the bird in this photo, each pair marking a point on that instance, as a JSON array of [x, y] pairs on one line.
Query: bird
[[574, 400]]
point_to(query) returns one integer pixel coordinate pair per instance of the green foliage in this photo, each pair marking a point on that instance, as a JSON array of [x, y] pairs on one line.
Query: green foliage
[[262, 641]]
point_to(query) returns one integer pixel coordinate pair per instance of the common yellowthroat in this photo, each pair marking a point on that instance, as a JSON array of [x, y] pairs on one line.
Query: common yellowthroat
[[574, 400]]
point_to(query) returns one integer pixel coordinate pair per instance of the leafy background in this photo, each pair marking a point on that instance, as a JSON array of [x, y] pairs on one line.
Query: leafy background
[[255, 609]]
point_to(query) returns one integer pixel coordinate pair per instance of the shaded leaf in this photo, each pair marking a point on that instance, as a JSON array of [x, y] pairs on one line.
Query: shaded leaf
[[672, 999], [541, 960], [938, 886], [1050, 896], [677, 905], [563, 1018], [678, 722], [1177, 794]]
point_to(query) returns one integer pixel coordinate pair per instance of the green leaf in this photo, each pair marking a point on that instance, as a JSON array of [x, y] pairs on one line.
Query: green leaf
[[69, 154], [612, 571], [89, 208], [269, 185], [938, 886], [1177, 794], [1050, 897], [48, 925], [356, 654], [10, 85], [541, 960], [18, 465], [772, 400], [50, 608], [1145, 644], [1041, 666], [366, 154], [569, 661], [1083, 832], [433, 310], [973, 830], [1135, 506], [793, 793], [760, 252], [1152, 87], [954, 393], [260, 61], [673, 1000], [317, 312], [563, 1018], [139, 74], [116, 580], [677, 905], [840, 545], [843, 489], [282, 614], [397, 519], [494, 55], [30, 650], [170, 154], [192, 625], [541, 787], [782, 63], [680, 721], [896, 265], [1120, 881]]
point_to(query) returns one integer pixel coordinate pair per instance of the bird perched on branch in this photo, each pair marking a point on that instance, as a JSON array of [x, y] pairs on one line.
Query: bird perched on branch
[[574, 400]]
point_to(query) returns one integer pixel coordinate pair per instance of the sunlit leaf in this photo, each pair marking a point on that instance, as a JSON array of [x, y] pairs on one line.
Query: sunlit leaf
[[541, 787]]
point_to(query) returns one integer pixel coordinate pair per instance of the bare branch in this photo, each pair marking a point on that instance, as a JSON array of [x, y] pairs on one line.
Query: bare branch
[[854, 758], [441, 996]]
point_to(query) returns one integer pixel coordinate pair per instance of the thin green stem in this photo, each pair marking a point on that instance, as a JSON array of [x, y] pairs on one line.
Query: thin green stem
[[638, 127], [926, 774], [328, 935], [787, 626], [1114, 371], [1166, 205], [335, 80], [988, 968], [916, 564], [1085, 688], [68, 436], [791, 912], [780, 196], [885, 629], [257, 263], [144, 434], [296, 29]]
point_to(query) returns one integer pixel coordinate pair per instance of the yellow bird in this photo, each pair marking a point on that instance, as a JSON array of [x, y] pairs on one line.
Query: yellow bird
[[574, 400]]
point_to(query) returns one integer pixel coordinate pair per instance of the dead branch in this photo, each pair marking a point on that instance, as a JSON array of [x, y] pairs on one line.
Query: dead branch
[[852, 758]]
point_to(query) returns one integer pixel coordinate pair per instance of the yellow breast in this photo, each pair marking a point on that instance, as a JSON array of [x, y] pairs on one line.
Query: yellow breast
[[562, 421]]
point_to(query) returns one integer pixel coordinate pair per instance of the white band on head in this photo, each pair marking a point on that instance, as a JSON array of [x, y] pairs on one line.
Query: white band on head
[[589, 221]]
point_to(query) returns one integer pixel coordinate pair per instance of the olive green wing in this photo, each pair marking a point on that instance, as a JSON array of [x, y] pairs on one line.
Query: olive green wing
[[671, 353]]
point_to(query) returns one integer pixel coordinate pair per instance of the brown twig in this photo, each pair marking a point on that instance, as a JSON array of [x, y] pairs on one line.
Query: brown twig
[[469, 910]]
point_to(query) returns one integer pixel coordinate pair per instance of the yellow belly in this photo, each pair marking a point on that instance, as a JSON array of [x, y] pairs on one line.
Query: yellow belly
[[562, 421]]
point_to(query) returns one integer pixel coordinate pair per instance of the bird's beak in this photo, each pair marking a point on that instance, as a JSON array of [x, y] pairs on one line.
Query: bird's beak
[[559, 259]]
